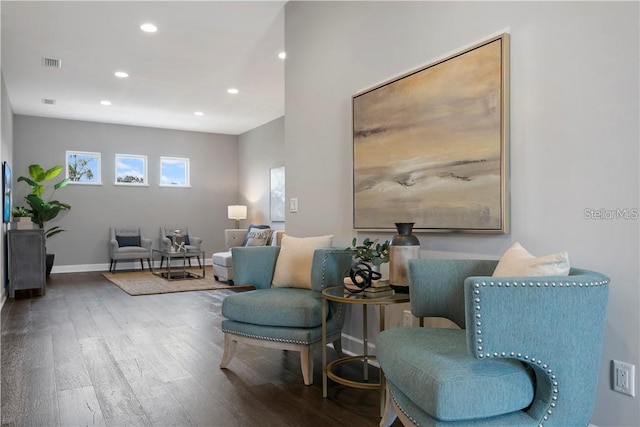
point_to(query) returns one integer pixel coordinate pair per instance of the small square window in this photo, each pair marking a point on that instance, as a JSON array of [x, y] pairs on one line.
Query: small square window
[[84, 167], [131, 169], [174, 172]]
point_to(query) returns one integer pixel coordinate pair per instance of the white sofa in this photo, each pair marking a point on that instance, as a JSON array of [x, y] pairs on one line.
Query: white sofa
[[234, 237]]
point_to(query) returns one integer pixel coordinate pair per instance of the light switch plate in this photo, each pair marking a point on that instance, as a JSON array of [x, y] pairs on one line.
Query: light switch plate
[[293, 205]]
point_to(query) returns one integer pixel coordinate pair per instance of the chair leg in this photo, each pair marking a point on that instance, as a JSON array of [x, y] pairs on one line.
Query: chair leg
[[142, 264], [337, 346], [111, 266], [229, 350], [306, 362], [113, 270], [161, 262], [189, 259], [149, 263], [199, 264], [389, 415]]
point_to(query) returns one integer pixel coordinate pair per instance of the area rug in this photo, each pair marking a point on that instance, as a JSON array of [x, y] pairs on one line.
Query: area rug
[[146, 283]]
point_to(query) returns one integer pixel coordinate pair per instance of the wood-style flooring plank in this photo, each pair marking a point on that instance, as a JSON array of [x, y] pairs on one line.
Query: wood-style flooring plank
[[117, 400], [203, 408], [14, 385], [80, 407], [71, 371], [41, 398]]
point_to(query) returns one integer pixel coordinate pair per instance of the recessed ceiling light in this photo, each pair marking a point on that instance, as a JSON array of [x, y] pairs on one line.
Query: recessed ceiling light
[[233, 91], [105, 102], [282, 55], [121, 74], [148, 27], [199, 113]]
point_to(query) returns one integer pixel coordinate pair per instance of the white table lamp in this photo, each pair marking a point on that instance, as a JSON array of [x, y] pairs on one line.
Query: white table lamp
[[237, 212]]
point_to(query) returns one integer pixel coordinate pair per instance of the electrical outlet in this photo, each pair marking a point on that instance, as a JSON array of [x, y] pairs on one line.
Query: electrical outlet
[[623, 376], [407, 318]]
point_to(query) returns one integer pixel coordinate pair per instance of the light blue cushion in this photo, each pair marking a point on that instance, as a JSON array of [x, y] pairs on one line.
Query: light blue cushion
[[434, 370], [422, 419], [288, 307]]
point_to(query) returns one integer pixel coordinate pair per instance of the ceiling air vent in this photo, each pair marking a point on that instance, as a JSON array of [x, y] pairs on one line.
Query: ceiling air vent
[[48, 101], [51, 62]]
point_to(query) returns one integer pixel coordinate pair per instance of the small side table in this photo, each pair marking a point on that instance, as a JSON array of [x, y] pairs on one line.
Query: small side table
[[338, 294], [180, 272]]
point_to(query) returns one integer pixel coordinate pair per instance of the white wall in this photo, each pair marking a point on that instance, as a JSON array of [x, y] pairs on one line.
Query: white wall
[[574, 132], [259, 150]]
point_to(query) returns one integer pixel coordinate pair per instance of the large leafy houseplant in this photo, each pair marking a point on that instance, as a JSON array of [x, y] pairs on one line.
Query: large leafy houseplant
[[43, 211]]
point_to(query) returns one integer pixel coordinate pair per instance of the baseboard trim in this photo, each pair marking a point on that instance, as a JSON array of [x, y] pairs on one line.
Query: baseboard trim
[[81, 268]]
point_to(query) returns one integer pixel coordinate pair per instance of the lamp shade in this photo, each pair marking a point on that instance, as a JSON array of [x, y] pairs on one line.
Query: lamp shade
[[237, 212]]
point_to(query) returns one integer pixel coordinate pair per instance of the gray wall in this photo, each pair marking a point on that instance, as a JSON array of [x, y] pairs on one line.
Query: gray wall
[[6, 149], [574, 132], [84, 246], [259, 150]]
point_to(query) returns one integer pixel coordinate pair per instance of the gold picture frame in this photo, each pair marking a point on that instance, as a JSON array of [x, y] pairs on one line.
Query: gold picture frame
[[431, 146]]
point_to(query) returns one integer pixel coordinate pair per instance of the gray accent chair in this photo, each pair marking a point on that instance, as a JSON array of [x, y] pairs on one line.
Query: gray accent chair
[[283, 318], [222, 261], [193, 244], [527, 352], [128, 244]]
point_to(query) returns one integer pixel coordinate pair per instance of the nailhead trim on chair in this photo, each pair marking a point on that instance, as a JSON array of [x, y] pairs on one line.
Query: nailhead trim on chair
[[478, 285], [269, 339], [409, 417], [341, 307]]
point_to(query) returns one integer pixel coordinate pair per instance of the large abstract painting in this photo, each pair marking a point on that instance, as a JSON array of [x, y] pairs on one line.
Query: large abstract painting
[[430, 147]]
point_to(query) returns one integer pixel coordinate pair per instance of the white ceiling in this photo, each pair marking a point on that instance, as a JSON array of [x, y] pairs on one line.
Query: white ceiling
[[199, 51]]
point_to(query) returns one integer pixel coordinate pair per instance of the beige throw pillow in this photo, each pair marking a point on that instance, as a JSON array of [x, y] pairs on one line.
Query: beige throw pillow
[[517, 261], [293, 267]]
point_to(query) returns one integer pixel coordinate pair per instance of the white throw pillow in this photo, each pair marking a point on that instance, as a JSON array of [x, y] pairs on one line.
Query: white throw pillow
[[517, 261], [293, 266], [258, 237]]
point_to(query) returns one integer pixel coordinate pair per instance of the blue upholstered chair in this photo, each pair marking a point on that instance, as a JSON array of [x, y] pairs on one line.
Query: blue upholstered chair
[[529, 356], [284, 318]]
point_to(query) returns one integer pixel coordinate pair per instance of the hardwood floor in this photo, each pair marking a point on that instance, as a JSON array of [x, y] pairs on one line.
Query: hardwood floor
[[87, 353]]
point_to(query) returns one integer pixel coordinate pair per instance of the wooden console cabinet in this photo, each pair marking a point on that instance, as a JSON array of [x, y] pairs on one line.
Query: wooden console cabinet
[[26, 260]]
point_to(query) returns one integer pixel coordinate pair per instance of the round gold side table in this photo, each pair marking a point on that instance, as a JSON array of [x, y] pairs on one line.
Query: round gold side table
[[339, 294]]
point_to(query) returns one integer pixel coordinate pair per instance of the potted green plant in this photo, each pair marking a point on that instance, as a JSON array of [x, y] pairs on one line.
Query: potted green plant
[[42, 211], [371, 251], [22, 218]]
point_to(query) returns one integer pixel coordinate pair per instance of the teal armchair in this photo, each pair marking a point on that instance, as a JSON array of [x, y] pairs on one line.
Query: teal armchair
[[527, 352], [284, 318]]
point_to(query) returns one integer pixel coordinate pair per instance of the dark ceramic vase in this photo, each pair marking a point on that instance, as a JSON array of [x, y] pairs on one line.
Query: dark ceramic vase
[[404, 236], [404, 247]]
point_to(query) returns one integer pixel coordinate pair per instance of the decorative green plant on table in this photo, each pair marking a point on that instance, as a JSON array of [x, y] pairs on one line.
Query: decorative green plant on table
[[20, 212], [371, 251], [42, 211]]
